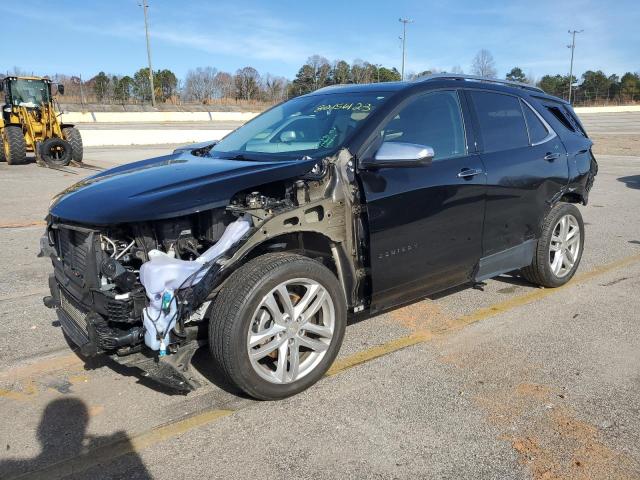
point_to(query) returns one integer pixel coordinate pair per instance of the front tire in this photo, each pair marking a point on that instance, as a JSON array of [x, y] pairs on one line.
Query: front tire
[[277, 325], [15, 148], [559, 248], [72, 135]]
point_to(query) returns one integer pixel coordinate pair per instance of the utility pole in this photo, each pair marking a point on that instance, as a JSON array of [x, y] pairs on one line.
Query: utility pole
[[378, 65], [572, 47], [81, 91], [145, 6], [404, 22]]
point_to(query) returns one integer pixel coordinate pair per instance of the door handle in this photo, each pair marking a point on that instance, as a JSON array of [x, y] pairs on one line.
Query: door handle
[[469, 172], [550, 157]]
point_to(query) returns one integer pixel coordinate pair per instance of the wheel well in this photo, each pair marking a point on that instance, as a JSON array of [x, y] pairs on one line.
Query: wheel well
[[572, 197], [310, 244]]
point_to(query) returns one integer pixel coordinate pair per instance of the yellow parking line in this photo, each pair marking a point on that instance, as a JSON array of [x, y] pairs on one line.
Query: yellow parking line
[[165, 432], [476, 316], [34, 223]]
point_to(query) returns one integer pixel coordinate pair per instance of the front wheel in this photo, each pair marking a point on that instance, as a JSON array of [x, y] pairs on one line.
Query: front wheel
[[559, 247], [72, 135], [277, 325], [15, 148]]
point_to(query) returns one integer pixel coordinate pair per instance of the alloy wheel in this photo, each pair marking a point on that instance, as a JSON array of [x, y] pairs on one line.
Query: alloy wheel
[[564, 247], [291, 330]]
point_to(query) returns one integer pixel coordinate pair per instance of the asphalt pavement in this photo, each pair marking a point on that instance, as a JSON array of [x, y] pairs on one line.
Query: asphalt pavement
[[510, 382]]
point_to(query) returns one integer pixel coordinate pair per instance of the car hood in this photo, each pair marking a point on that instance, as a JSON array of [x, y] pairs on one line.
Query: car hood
[[165, 187]]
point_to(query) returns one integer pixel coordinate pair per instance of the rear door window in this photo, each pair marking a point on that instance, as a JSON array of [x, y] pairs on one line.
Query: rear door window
[[537, 130], [502, 123]]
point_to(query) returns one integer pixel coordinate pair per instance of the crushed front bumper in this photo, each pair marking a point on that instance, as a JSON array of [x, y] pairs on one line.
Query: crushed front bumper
[[82, 326]]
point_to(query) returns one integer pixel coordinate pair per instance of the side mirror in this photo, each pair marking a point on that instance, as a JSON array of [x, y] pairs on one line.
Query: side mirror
[[61, 89], [288, 136], [400, 154]]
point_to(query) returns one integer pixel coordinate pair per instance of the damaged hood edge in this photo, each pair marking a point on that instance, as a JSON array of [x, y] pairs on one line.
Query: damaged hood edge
[[166, 187]]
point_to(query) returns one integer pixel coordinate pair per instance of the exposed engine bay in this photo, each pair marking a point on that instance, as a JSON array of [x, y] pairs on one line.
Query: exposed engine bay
[[145, 288]]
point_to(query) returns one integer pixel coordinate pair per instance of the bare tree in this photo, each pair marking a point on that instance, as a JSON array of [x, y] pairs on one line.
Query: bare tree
[[275, 87], [483, 64], [224, 85], [247, 82], [457, 69], [360, 71], [199, 84]]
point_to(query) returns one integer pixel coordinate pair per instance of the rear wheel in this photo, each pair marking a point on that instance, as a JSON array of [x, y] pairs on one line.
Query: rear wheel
[[72, 135], [559, 248], [277, 325], [2, 158], [15, 148], [56, 152]]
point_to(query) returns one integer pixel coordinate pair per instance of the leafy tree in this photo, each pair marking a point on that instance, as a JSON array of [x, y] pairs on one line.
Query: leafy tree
[[123, 90], [594, 84], [165, 83], [557, 85], [630, 86], [141, 86], [341, 72], [304, 81], [389, 74], [100, 86], [484, 65], [517, 75]]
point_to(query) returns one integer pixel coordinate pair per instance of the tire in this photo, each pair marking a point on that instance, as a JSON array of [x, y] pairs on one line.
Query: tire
[[2, 157], [547, 269], [15, 148], [56, 152], [241, 313], [72, 135]]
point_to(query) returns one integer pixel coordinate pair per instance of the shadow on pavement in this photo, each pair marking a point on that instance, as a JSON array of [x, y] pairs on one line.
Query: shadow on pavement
[[632, 181], [64, 441]]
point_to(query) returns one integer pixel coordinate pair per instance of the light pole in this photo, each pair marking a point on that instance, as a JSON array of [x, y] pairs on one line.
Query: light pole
[[145, 6], [378, 65], [404, 22], [572, 47]]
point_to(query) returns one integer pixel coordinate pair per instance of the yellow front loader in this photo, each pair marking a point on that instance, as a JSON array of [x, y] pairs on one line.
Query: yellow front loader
[[29, 123]]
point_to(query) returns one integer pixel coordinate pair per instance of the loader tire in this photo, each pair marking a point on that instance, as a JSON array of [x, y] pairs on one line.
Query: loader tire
[[72, 135], [56, 152], [15, 148], [2, 157]]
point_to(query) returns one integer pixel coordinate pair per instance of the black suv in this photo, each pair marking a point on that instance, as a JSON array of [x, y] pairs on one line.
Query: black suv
[[345, 202]]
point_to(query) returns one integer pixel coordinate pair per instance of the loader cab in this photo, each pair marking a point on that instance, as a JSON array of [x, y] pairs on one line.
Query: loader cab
[[26, 92]]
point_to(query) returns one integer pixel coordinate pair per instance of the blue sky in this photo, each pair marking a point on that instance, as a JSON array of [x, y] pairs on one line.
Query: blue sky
[[277, 36]]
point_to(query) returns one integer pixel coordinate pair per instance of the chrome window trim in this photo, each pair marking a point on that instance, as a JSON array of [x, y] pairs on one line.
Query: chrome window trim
[[550, 136]]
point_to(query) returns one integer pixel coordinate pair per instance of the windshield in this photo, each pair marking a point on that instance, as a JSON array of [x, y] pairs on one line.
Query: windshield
[[29, 93], [310, 126]]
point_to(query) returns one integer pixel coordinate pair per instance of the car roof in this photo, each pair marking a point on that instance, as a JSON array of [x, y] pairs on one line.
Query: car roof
[[442, 81]]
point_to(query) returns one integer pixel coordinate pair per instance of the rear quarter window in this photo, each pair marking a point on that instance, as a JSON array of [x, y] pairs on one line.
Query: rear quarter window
[[566, 118], [537, 130]]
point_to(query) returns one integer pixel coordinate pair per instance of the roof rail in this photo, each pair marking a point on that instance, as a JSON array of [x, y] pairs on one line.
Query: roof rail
[[475, 78]]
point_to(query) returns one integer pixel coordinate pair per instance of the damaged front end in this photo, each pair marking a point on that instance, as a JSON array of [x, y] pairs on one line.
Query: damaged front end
[[140, 291]]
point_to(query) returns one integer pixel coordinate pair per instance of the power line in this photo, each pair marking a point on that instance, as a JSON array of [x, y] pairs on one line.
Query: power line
[[572, 47], [145, 6], [404, 22]]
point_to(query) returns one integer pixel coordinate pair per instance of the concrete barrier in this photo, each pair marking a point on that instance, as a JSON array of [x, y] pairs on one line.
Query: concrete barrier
[[156, 117], [98, 138], [609, 109]]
